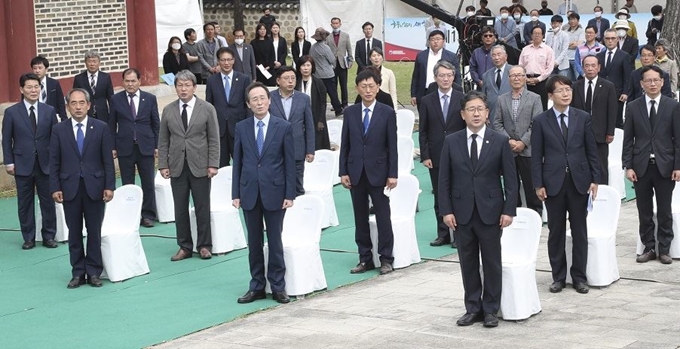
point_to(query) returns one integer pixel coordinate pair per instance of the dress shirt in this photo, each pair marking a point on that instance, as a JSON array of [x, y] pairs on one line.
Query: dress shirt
[[301, 44], [441, 99], [74, 126], [538, 60], [287, 103], [479, 140], [239, 49], [432, 60], [585, 90], [649, 105], [190, 108], [28, 110], [515, 103], [229, 76], [264, 120], [135, 98], [275, 43], [222, 40], [566, 118], [370, 111], [89, 78]]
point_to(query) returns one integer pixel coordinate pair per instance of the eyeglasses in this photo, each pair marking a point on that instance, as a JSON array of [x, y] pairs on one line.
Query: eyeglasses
[[436, 39], [226, 60], [479, 109], [516, 76], [650, 81], [287, 78], [563, 90], [444, 76], [610, 38], [488, 35]]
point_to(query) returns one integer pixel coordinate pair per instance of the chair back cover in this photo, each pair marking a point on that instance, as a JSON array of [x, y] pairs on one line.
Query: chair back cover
[[335, 131], [520, 239], [606, 209], [405, 154], [616, 146], [303, 220], [320, 172], [404, 197], [220, 188], [124, 212], [405, 121]]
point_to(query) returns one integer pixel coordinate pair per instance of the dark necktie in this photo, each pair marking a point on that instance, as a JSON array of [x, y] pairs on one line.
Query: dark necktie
[[445, 108], [185, 116], [473, 151], [80, 138], [43, 92], [589, 97], [563, 125], [133, 110], [260, 137], [368, 51], [92, 84], [32, 117], [498, 78], [652, 113], [366, 120], [609, 59]]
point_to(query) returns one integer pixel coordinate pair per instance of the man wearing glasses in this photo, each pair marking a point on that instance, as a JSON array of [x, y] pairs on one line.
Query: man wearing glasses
[[425, 61], [616, 67], [480, 61]]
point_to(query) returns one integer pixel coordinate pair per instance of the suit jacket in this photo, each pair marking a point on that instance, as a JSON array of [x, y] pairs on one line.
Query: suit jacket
[[420, 71], [631, 45], [528, 26], [100, 97], [228, 113], [207, 58], [431, 124], [491, 90], [342, 49], [376, 152], [301, 119], [462, 187], [125, 127], [360, 52], [295, 49], [318, 98], [635, 89], [604, 106], [281, 51], [604, 25], [246, 65], [550, 156], [520, 129], [618, 72], [640, 139], [271, 175], [20, 144], [94, 166], [55, 98], [171, 65], [199, 144]]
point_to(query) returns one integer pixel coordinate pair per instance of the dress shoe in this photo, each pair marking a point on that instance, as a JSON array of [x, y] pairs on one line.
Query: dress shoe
[[646, 257], [362, 268], [454, 244], [205, 253], [557, 286], [146, 223], [28, 245], [439, 242], [490, 320], [339, 112], [94, 281], [281, 297], [665, 259], [252, 296], [469, 319], [181, 254], [50, 243], [386, 268], [76, 282], [581, 287]]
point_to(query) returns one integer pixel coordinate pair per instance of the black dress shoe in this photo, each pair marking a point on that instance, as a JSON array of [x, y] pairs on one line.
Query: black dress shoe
[[76, 282], [28, 245], [362, 268], [469, 319], [665, 259], [94, 281], [252, 296], [490, 320], [50, 243], [454, 244], [146, 223], [439, 242], [581, 287], [386, 268], [557, 286], [646, 257], [281, 297]]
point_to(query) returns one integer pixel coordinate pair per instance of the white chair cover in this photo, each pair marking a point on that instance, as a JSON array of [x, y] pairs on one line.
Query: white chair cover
[[165, 204], [122, 251], [335, 134], [616, 173], [674, 251], [301, 252], [62, 228], [602, 268], [225, 220], [318, 180], [405, 121], [405, 154], [519, 248], [403, 201]]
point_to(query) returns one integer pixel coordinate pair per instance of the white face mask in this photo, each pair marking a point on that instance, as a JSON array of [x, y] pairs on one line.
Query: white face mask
[[176, 46], [470, 14], [534, 18], [621, 32], [504, 16], [556, 29], [623, 17], [238, 41], [658, 18], [598, 14]]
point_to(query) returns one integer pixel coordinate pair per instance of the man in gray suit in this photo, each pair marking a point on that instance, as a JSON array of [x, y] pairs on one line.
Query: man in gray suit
[[296, 108], [189, 154], [207, 51], [495, 81], [513, 116], [342, 49], [245, 58]]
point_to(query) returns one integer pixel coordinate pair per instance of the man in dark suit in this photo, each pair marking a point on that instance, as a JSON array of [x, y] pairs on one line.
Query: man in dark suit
[[189, 154], [422, 77], [363, 47], [647, 57], [495, 81], [50, 89], [264, 186], [529, 26], [26, 130], [439, 116], [565, 169], [83, 178], [600, 23], [598, 98], [244, 60], [616, 67], [651, 156], [226, 92], [296, 108], [98, 84], [368, 167], [626, 42], [471, 199], [134, 125]]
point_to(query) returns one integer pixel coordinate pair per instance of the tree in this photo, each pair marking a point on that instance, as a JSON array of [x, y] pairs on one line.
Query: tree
[[671, 23], [238, 14]]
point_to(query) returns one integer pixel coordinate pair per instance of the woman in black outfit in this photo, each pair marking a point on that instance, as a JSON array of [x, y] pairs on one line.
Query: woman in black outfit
[[264, 54], [300, 47], [316, 90], [382, 96], [175, 59], [280, 49]]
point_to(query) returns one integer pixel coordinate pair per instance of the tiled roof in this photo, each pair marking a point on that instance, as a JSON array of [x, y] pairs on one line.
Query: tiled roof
[[253, 4]]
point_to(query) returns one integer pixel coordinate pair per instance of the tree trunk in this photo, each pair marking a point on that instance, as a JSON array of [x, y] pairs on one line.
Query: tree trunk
[[671, 27], [238, 14]]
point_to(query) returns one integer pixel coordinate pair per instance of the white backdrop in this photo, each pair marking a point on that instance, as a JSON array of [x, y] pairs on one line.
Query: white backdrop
[[172, 18]]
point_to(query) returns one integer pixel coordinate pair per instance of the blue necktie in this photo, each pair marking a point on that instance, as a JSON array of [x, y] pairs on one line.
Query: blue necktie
[[260, 136], [445, 108], [227, 88], [80, 138], [366, 120]]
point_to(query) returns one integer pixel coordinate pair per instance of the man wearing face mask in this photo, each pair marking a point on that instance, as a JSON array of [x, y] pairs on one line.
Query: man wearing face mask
[[558, 40], [545, 11], [505, 29], [600, 23], [562, 10], [623, 14], [654, 25], [626, 43], [528, 27], [245, 56]]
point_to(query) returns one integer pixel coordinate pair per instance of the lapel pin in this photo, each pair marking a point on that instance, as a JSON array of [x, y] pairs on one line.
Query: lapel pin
[[487, 142]]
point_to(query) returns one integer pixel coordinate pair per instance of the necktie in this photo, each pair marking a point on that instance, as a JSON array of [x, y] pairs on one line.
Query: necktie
[[563, 125], [92, 85], [368, 51], [227, 88], [609, 59], [185, 116], [473, 151], [652, 113], [366, 120], [498, 78], [589, 97], [445, 108], [260, 137], [80, 138], [32, 117], [43, 92], [133, 111]]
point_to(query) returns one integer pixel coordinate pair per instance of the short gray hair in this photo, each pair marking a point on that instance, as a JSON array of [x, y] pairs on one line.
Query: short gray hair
[[92, 54], [443, 64], [87, 95], [499, 47], [185, 75]]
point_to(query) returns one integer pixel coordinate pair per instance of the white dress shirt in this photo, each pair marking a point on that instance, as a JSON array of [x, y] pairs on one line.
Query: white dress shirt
[[74, 124], [479, 140], [190, 108], [265, 120]]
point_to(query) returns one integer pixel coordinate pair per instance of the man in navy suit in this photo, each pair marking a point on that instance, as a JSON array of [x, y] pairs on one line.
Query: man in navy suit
[[296, 108], [565, 169], [26, 131], [368, 167], [50, 89], [134, 125], [616, 67], [263, 184], [471, 200], [82, 177], [226, 91], [423, 77], [98, 84]]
